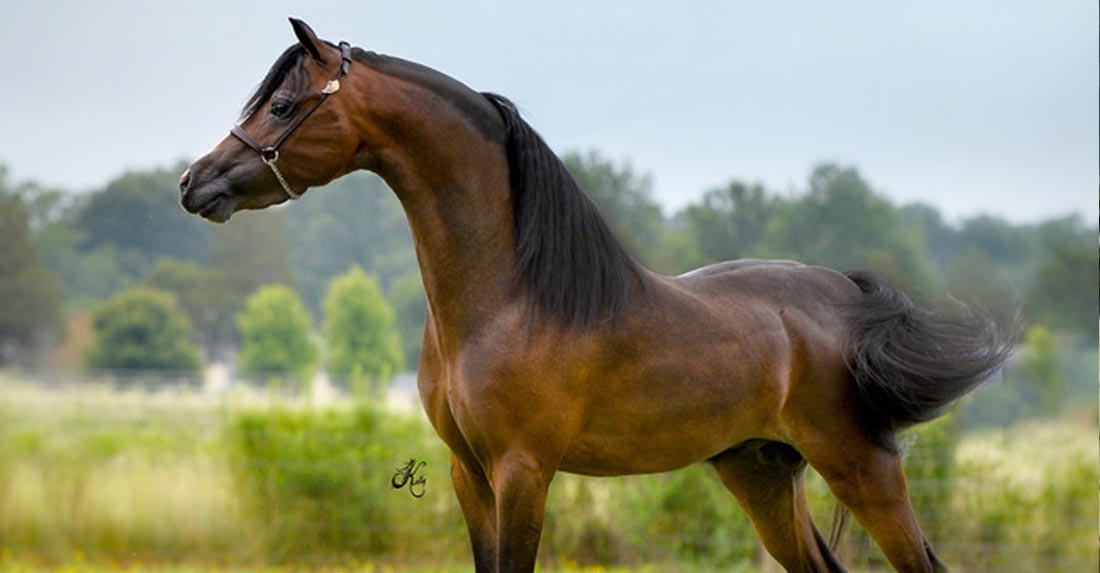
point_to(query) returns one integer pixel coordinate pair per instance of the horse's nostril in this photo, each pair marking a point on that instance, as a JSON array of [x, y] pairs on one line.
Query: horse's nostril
[[184, 180]]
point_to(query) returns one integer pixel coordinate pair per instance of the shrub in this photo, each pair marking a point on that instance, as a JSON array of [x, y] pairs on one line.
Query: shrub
[[204, 296], [142, 328], [275, 334], [359, 328], [682, 516], [317, 481], [410, 306], [1038, 365]]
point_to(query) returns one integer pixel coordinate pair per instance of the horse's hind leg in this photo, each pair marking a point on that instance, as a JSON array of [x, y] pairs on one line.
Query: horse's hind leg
[[479, 508], [766, 478], [869, 481]]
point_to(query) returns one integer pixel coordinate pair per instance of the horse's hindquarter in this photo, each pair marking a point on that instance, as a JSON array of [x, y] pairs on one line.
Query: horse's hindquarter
[[708, 361]]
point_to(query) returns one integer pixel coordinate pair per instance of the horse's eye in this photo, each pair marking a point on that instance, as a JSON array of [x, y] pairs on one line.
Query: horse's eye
[[280, 108]]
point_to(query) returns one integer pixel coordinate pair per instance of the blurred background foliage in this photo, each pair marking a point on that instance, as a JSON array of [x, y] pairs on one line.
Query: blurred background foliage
[[359, 331], [142, 329], [275, 335], [65, 252], [115, 473]]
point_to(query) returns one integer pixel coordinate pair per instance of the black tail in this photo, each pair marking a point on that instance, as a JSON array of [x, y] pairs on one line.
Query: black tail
[[909, 364]]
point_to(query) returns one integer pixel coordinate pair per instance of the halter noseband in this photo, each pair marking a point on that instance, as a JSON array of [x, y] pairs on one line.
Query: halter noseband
[[270, 154]]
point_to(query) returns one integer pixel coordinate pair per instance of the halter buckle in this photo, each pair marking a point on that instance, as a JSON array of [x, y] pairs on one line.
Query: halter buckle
[[331, 87]]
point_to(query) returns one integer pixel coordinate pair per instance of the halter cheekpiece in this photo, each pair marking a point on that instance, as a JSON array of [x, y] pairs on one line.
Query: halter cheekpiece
[[270, 154]]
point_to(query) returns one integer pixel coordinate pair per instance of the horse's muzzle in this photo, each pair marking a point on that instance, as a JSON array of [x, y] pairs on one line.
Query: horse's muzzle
[[185, 179]]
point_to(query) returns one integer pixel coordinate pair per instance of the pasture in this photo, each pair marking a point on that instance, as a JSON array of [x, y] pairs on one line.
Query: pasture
[[96, 478]]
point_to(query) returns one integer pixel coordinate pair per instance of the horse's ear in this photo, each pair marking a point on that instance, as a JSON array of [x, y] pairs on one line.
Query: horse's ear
[[307, 38]]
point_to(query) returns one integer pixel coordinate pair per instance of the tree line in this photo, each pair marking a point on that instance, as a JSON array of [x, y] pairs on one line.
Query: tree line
[[66, 253]]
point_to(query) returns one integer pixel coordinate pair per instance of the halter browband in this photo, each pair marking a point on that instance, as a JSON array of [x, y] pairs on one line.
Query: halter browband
[[270, 154]]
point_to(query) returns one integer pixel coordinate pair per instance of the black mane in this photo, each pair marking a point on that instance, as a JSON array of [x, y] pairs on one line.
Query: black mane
[[274, 78], [567, 260]]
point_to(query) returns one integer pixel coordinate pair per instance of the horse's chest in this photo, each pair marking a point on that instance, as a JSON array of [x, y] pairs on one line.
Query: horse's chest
[[448, 409]]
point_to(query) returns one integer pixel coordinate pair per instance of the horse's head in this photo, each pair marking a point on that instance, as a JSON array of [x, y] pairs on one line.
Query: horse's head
[[295, 133]]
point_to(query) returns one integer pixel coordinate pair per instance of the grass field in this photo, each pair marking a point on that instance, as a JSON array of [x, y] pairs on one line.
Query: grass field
[[94, 478], [79, 565]]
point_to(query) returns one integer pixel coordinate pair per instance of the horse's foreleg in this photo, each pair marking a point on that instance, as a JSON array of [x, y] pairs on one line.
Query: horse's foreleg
[[478, 503], [766, 478], [520, 483]]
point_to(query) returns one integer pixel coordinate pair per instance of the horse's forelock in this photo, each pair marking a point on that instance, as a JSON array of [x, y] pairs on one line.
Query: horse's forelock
[[274, 78]]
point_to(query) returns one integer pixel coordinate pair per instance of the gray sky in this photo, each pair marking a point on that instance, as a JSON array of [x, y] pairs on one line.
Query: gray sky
[[969, 106]]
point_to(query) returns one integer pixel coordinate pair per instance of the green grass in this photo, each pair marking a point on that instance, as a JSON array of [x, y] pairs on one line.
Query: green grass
[[79, 566], [95, 479]]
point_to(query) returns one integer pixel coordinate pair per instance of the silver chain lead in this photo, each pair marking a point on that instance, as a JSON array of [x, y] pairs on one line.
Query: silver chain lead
[[271, 163]]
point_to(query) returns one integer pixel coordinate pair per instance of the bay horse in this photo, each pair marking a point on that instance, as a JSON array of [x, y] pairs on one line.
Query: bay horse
[[548, 348]]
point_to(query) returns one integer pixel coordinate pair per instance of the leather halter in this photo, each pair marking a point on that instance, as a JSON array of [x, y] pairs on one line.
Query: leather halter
[[270, 154]]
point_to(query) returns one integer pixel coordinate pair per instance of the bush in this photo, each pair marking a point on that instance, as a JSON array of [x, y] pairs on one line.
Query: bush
[[359, 329], [410, 306], [204, 296], [317, 481], [1038, 366], [142, 328], [275, 334], [683, 516]]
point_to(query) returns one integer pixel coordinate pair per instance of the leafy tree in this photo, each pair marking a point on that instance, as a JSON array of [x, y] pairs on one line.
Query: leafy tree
[[1070, 229], [250, 251], [680, 251], [359, 328], [842, 223], [1064, 294], [1038, 365], [275, 334], [730, 222], [204, 296], [625, 198], [976, 280], [1004, 242], [87, 275], [139, 212], [29, 291], [940, 239], [355, 220], [44, 206], [91, 276], [142, 328], [410, 306], [101, 243]]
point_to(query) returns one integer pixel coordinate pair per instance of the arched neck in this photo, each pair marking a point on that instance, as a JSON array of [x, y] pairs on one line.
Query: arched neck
[[452, 179]]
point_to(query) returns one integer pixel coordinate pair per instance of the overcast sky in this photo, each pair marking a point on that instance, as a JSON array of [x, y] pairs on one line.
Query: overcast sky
[[968, 106]]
